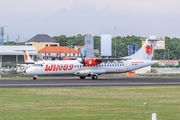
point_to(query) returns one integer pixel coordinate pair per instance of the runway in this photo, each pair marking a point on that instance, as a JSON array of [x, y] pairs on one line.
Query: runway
[[76, 82]]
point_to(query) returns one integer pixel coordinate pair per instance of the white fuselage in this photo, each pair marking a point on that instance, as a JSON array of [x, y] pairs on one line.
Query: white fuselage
[[73, 67]]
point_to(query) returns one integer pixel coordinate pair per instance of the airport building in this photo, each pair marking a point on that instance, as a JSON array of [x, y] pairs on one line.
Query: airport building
[[14, 54], [52, 53], [40, 41]]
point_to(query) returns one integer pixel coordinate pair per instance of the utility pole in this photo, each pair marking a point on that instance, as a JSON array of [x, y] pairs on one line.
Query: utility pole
[[168, 54], [164, 53], [115, 42], [69, 51], [18, 39], [168, 57], [7, 39]]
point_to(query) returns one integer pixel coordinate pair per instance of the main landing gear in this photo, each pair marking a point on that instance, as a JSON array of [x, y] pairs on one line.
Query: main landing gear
[[82, 77], [35, 77], [95, 77]]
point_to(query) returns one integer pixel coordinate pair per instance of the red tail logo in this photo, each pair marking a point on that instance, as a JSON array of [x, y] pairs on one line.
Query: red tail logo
[[149, 49], [25, 57]]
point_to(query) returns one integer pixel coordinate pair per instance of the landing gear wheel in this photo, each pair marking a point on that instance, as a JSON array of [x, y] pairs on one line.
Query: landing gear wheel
[[82, 77], [34, 78], [95, 77]]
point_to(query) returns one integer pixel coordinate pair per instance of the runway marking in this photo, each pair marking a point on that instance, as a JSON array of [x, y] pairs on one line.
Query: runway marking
[[85, 84]]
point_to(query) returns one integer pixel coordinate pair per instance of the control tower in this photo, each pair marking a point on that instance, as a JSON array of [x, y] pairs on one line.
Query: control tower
[[2, 35]]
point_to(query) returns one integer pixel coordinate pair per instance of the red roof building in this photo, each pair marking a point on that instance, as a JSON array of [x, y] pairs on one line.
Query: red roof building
[[53, 52], [57, 50]]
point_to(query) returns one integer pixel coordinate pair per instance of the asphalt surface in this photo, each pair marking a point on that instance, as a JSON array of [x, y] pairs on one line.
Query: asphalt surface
[[88, 82]]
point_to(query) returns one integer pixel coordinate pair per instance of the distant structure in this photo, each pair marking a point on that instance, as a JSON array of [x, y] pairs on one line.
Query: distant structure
[[11, 54], [52, 53], [132, 49], [106, 45], [2, 35], [89, 45], [41, 40], [78, 48]]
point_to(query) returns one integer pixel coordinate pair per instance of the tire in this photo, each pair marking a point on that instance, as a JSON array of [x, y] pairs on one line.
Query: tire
[[82, 77], [34, 78], [94, 77]]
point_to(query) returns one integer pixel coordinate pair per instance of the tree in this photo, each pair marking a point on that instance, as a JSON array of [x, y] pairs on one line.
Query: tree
[[62, 40], [122, 45]]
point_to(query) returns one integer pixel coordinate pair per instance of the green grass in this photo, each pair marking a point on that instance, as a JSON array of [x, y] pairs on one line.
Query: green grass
[[90, 103], [160, 75]]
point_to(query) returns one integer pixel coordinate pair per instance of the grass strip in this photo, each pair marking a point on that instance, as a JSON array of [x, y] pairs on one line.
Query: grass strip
[[90, 103]]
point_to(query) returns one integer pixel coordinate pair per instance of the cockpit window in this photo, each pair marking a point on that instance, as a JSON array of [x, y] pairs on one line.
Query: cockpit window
[[38, 65]]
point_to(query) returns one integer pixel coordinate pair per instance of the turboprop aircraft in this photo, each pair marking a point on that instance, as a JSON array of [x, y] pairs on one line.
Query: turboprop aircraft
[[93, 67], [28, 62]]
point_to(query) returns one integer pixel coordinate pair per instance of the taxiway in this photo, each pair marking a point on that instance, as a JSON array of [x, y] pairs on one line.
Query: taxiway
[[76, 82]]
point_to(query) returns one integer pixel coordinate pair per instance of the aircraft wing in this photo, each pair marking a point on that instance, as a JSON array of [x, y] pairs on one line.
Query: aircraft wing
[[105, 60], [96, 61], [26, 62]]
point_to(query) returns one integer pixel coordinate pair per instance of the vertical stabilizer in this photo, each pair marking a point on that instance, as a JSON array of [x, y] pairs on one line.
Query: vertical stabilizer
[[27, 58], [146, 51]]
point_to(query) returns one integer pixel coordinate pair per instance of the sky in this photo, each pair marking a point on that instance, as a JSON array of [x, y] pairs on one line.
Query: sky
[[144, 18]]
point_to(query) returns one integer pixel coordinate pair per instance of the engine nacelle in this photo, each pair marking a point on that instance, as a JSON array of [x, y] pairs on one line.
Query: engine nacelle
[[79, 59], [83, 73], [90, 62]]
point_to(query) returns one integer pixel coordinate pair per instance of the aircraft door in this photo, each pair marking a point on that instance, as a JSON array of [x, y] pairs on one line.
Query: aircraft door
[[127, 65]]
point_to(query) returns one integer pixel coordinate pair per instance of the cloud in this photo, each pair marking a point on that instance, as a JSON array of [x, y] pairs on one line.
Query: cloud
[[71, 17], [62, 11]]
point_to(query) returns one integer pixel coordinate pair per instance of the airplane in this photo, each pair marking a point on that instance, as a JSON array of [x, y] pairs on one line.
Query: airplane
[[93, 67], [28, 62]]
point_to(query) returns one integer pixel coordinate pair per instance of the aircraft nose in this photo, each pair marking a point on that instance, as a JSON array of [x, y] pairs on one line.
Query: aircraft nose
[[28, 71]]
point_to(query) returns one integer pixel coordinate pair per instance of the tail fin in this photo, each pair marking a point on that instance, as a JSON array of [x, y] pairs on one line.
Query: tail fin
[[146, 51], [27, 58]]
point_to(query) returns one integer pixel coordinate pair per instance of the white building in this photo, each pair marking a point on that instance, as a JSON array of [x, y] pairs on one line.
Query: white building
[[14, 54]]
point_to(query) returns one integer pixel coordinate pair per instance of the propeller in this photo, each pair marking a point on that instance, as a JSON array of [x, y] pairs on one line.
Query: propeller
[[83, 60]]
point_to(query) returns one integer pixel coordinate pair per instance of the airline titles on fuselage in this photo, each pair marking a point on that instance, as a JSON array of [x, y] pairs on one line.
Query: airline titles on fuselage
[[64, 67]]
